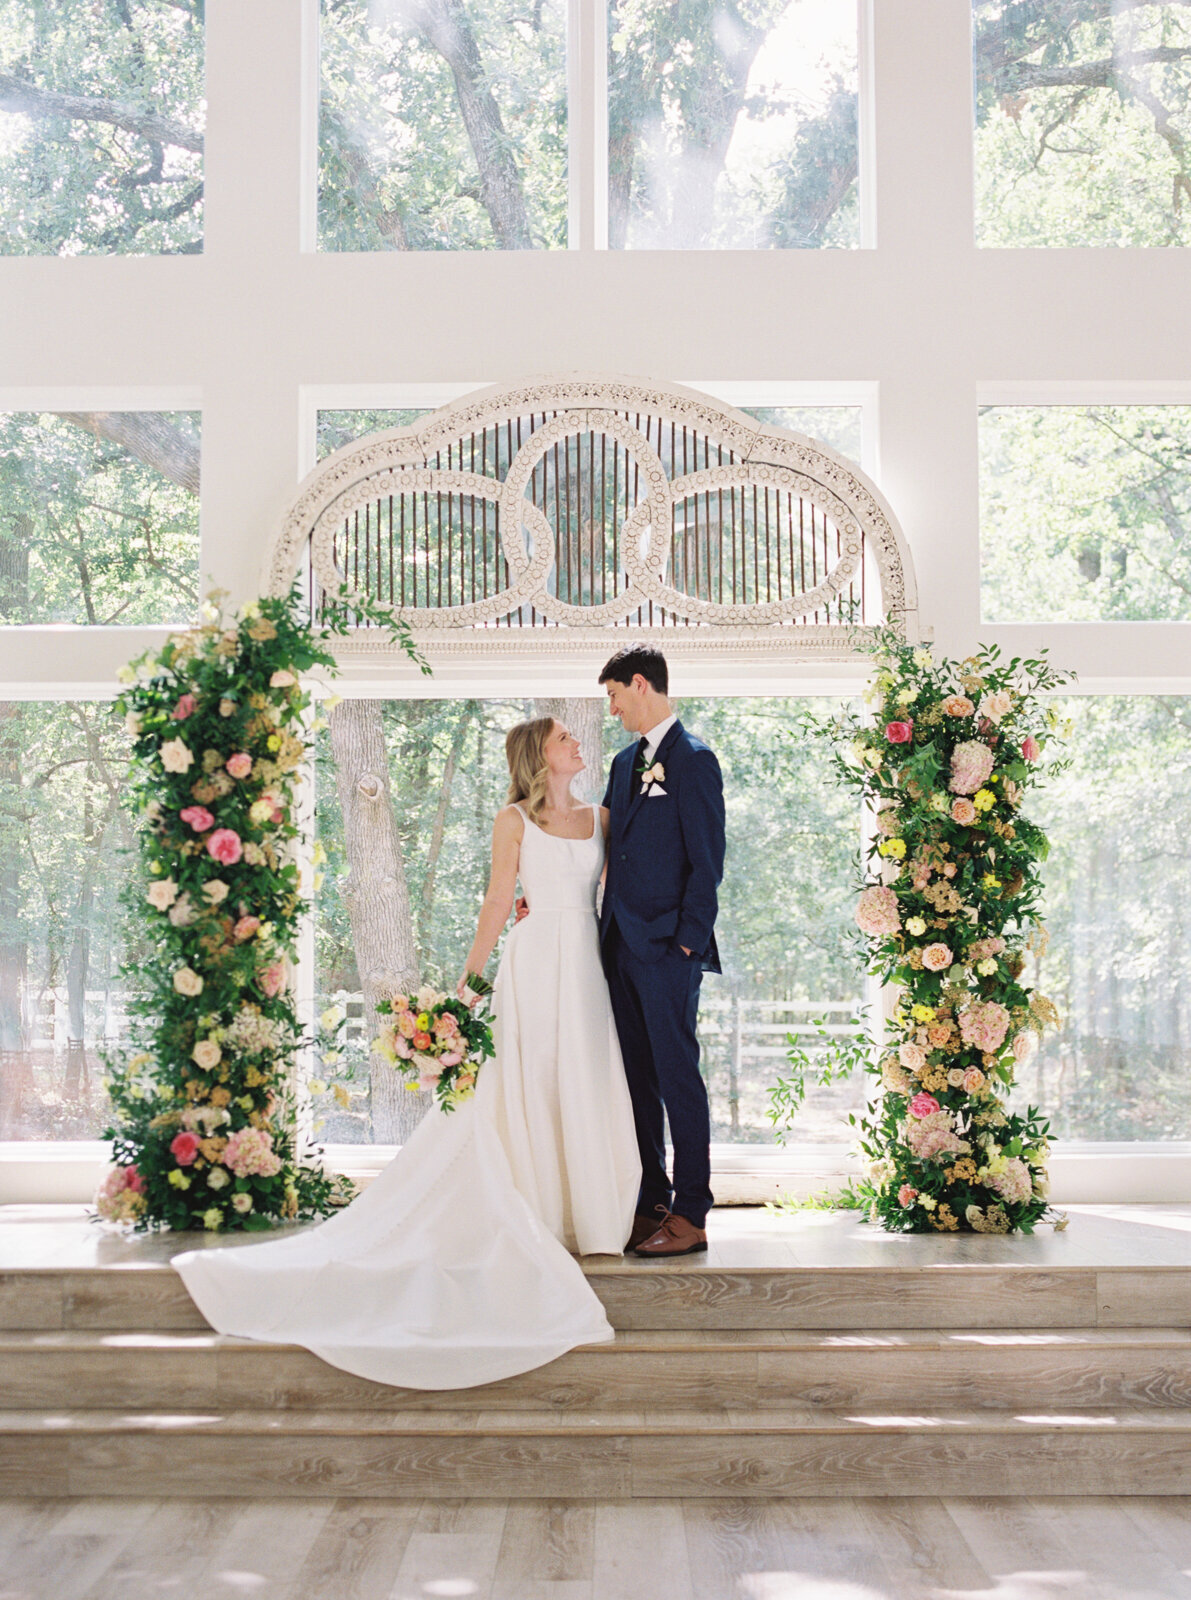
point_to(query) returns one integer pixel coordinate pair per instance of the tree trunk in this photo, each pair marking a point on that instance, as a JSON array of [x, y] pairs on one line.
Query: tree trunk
[[31, 101], [444, 25], [376, 896], [584, 718]]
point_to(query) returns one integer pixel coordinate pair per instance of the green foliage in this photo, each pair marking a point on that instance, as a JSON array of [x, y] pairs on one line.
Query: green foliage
[[831, 1061], [78, 184], [89, 532], [949, 912], [1083, 111], [1085, 512]]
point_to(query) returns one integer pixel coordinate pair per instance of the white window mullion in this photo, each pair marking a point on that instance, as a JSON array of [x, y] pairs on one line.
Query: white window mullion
[[587, 124]]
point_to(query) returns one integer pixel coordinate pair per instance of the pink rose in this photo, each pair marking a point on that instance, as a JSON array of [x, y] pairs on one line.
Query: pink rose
[[224, 845], [271, 979], [199, 818], [899, 732], [949, 869], [912, 1056], [1030, 748], [923, 1105], [402, 1046], [184, 1148], [245, 928], [936, 957], [239, 765], [963, 812], [450, 1058], [906, 1195], [974, 1080], [186, 707], [406, 1025], [428, 1076]]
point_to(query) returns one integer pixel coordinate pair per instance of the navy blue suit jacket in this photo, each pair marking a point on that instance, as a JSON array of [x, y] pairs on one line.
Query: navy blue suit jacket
[[666, 852]]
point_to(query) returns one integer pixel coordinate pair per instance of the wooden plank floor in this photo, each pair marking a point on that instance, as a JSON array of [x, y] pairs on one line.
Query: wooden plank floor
[[839, 1549]]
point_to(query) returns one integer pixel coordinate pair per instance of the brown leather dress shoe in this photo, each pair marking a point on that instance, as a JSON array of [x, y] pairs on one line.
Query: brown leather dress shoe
[[675, 1237], [643, 1228]]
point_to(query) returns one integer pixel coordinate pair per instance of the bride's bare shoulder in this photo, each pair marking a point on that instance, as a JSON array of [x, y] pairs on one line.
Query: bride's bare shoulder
[[510, 823]]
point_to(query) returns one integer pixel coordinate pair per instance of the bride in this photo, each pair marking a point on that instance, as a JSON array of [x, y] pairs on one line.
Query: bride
[[453, 1268]]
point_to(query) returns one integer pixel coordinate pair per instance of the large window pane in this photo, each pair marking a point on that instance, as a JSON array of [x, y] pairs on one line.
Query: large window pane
[[838, 426], [99, 517], [337, 428], [732, 126], [63, 838], [1085, 513], [443, 125], [101, 127], [1118, 887], [785, 929], [1083, 112]]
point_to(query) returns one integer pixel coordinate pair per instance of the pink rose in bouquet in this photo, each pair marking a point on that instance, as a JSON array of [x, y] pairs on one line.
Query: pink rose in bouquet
[[923, 1105], [899, 732], [996, 705], [245, 928], [271, 979], [225, 847], [876, 911], [963, 811], [406, 1024], [186, 707], [184, 1148], [430, 1072], [936, 957], [974, 1080], [971, 764], [957, 705], [911, 1056], [1030, 748], [239, 765], [199, 818], [907, 1195]]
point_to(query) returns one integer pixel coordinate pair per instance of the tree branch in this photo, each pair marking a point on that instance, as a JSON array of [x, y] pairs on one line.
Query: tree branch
[[149, 437], [1103, 74], [32, 101]]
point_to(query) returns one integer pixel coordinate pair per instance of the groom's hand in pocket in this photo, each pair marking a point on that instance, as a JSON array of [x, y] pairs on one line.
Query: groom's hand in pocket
[[522, 908]]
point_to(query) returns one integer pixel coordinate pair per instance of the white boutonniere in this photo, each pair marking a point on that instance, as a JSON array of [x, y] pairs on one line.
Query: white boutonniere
[[652, 779]]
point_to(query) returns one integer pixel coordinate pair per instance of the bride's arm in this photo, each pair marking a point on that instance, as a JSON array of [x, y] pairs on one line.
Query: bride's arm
[[605, 824], [502, 883]]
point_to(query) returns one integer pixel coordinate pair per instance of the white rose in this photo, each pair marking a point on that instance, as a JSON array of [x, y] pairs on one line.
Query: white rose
[[182, 914], [132, 723], [161, 895], [176, 756], [187, 981], [242, 1202], [206, 1054], [125, 675], [281, 679], [217, 1178], [216, 891]]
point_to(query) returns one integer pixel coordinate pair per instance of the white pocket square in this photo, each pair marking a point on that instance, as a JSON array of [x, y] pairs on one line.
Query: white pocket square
[[657, 789]]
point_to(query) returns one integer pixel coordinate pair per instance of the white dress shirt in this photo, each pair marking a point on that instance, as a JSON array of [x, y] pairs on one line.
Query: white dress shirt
[[655, 736]]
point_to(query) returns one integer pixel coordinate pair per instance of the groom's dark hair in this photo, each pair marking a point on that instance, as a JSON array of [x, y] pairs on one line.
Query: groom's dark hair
[[638, 658]]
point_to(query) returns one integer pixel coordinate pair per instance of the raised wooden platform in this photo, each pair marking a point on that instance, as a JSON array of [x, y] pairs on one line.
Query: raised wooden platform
[[805, 1355]]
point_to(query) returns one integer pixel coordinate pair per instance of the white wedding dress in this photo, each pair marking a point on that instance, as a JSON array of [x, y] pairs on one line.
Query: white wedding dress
[[452, 1268]]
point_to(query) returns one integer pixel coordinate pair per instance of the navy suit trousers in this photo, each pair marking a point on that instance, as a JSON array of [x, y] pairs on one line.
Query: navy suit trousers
[[656, 1006]]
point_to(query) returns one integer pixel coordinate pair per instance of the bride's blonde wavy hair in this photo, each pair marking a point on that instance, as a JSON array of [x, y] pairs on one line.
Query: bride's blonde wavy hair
[[525, 750]]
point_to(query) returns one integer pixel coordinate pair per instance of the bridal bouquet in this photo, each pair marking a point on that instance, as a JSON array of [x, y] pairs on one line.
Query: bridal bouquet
[[436, 1042]]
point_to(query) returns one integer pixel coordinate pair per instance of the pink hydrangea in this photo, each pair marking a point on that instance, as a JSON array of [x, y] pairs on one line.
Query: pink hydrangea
[[121, 1197], [923, 1105], [983, 1025], [1014, 1183], [933, 1137], [224, 845], [239, 765], [876, 911], [971, 765], [199, 818], [899, 732], [249, 1153], [184, 1148], [1030, 748], [936, 957], [186, 707]]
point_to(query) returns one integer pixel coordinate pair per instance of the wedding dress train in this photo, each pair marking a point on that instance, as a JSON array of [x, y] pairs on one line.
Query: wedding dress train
[[452, 1268]]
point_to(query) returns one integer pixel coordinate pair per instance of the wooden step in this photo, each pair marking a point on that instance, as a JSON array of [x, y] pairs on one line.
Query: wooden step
[[990, 1370], [476, 1454], [678, 1295]]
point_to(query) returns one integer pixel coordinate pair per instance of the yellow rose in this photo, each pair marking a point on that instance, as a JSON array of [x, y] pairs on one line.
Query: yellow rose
[[893, 847], [923, 1013], [178, 1179], [984, 799], [423, 1021]]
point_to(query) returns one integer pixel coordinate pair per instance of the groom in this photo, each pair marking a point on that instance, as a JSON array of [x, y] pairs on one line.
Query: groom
[[665, 861]]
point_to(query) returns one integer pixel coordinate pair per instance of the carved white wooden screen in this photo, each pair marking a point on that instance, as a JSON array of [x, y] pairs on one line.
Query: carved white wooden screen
[[601, 506]]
